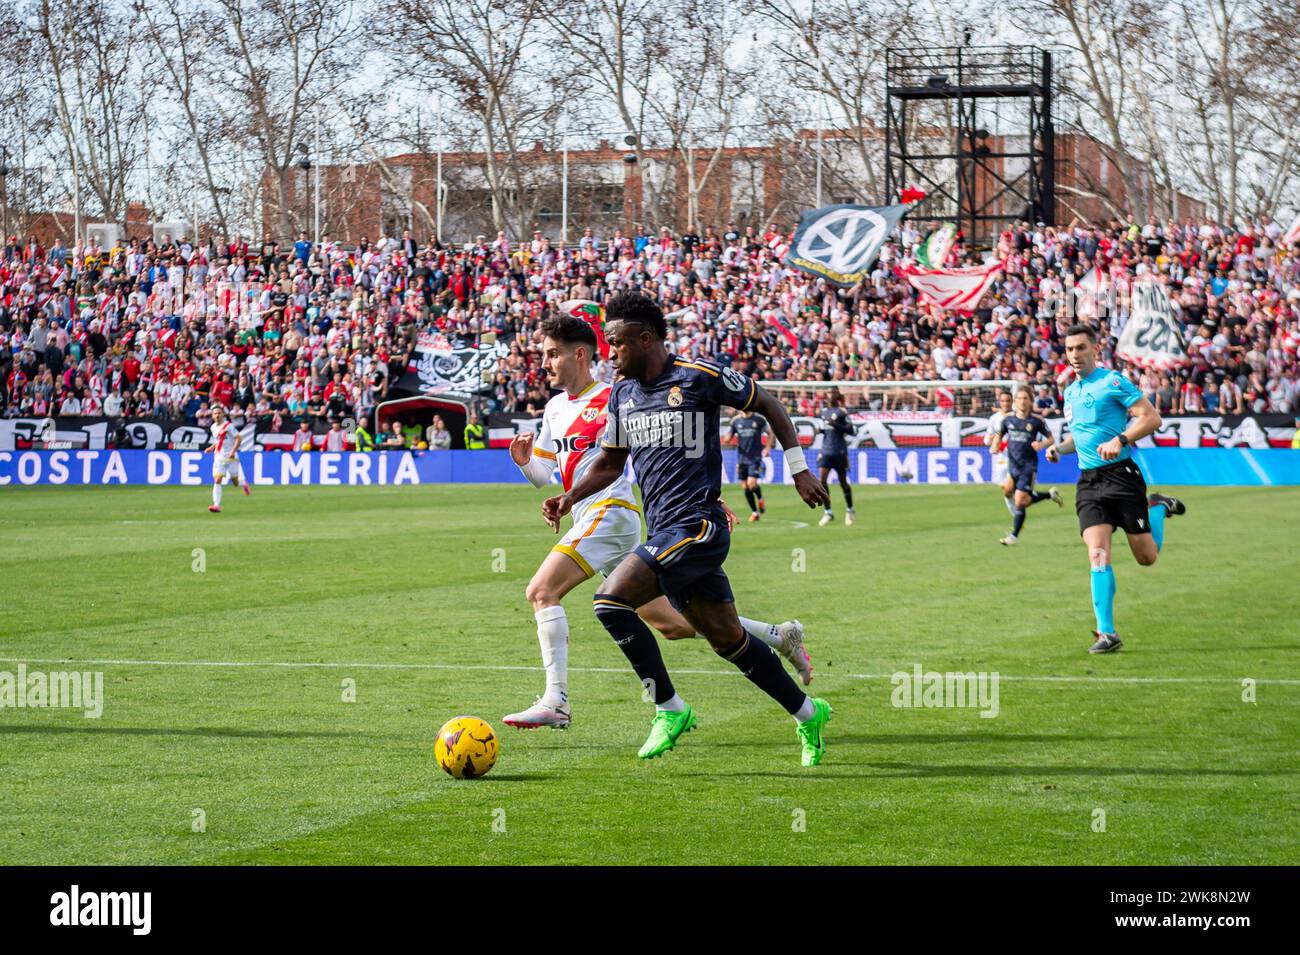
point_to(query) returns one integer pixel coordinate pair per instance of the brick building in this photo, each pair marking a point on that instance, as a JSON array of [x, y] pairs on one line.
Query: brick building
[[609, 188]]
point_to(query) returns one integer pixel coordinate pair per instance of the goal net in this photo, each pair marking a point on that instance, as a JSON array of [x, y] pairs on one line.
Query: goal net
[[903, 431]]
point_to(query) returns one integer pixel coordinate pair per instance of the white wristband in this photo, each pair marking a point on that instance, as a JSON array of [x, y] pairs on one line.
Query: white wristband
[[795, 460]]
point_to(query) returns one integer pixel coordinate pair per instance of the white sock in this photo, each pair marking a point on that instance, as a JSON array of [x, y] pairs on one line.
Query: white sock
[[806, 712], [216, 495], [553, 635], [766, 632], [675, 705]]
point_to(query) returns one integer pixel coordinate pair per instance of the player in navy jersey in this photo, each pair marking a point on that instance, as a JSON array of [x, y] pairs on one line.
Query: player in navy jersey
[[1106, 413], [749, 431], [663, 414], [836, 430], [1026, 434]]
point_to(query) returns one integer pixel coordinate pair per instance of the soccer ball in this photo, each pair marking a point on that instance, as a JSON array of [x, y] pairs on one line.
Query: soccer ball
[[466, 747]]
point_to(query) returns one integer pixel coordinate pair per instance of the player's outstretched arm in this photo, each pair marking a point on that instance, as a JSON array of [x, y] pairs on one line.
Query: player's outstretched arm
[[533, 462], [805, 482], [607, 467]]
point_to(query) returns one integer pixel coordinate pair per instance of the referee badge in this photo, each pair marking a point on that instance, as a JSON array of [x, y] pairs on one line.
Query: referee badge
[[674, 396]]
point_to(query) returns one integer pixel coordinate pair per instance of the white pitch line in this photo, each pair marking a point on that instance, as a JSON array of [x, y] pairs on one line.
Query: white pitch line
[[296, 665], [1097, 679]]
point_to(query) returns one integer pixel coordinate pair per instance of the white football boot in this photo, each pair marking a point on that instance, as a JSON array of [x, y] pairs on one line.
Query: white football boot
[[540, 714], [792, 649], [826, 519]]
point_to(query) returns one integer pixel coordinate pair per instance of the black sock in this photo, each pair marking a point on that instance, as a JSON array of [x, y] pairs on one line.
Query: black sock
[[1039, 496], [758, 492], [761, 666], [848, 495], [749, 499], [637, 643], [1019, 514]]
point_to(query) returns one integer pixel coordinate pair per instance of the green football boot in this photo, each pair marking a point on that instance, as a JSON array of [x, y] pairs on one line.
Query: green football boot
[[811, 733], [664, 731]]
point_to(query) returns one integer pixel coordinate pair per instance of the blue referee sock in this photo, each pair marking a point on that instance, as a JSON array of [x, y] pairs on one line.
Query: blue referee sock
[[1156, 515], [1103, 598]]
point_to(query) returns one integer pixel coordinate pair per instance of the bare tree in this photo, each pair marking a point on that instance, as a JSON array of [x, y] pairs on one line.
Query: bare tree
[[95, 58], [1107, 39], [833, 53], [700, 106], [27, 122], [179, 32], [285, 61], [629, 63], [488, 58]]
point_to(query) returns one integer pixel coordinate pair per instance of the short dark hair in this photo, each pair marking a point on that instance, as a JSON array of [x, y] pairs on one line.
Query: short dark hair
[[1082, 330], [570, 331], [639, 309]]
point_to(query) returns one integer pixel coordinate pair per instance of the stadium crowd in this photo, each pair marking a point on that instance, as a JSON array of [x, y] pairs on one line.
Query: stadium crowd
[[310, 332]]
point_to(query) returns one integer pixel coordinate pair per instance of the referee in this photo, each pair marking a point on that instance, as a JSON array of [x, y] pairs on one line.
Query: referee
[[1106, 413]]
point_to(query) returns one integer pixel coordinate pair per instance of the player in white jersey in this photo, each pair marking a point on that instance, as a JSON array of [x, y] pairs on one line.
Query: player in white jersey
[[606, 525], [997, 445], [225, 456]]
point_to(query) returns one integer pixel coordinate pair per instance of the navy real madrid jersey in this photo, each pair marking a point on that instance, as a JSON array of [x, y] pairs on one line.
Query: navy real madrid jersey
[[748, 432], [1021, 434], [836, 427], [669, 427]]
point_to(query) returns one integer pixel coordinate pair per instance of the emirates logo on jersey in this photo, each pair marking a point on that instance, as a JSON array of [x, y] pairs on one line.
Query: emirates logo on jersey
[[590, 414]]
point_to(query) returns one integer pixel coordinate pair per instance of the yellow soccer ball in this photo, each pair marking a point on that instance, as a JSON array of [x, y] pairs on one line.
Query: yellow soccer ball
[[466, 747]]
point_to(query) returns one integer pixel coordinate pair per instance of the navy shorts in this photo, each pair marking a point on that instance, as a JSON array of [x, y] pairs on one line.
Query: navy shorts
[[749, 469], [687, 560], [833, 462], [1024, 478]]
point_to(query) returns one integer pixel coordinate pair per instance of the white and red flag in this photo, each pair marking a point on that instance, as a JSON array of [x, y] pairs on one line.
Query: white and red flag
[[1292, 235], [957, 290], [1085, 293], [1153, 337]]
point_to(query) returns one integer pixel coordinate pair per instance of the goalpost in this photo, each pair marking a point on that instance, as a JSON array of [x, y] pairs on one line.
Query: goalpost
[[904, 431]]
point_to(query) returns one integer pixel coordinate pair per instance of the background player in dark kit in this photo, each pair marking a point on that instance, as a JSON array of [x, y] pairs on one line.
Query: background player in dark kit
[[1026, 434], [750, 434], [836, 429]]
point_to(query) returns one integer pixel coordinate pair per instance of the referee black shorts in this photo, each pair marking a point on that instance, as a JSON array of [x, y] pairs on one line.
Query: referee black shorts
[[1114, 494]]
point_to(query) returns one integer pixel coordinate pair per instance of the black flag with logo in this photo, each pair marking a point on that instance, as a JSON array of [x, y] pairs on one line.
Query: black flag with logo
[[840, 243]]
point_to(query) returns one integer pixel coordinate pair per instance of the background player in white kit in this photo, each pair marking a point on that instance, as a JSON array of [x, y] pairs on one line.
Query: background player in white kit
[[606, 526], [997, 445], [225, 456]]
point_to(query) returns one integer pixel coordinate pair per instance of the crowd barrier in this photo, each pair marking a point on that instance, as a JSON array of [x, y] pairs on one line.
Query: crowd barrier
[[1205, 466]]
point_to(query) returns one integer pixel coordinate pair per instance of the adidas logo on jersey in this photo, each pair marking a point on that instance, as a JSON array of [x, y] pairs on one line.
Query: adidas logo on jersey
[[651, 549]]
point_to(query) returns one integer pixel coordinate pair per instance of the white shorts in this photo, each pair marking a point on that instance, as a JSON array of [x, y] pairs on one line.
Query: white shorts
[[606, 533], [230, 468], [999, 468]]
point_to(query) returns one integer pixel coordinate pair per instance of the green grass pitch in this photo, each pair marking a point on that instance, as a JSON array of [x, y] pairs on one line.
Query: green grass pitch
[[402, 591]]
